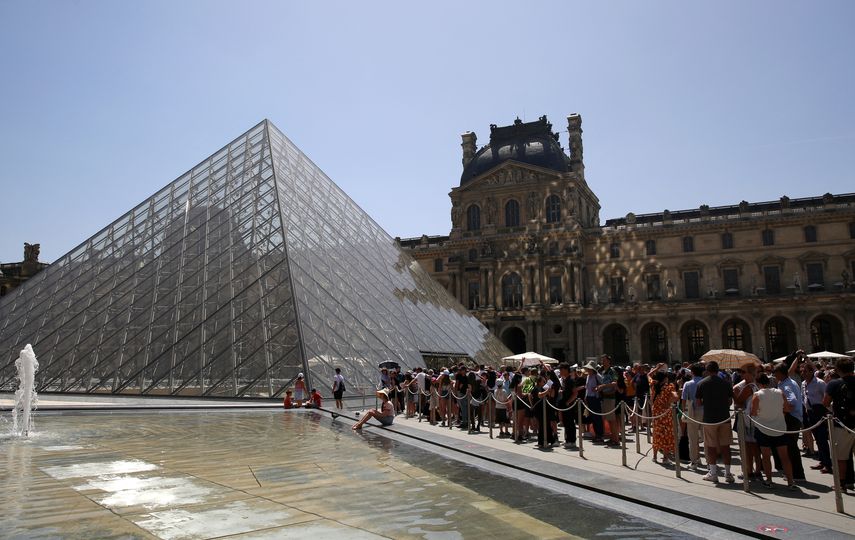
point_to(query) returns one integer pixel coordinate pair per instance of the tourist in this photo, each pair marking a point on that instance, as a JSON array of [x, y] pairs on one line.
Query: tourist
[[813, 393], [461, 387], [794, 418], [288, 402], [338, 388], [315, 401], [567, 398], [768, 406], [522, 404], [434, 401], [385, 380], [694, 414], [301, 394], [642, 392], [385, 414], [742, 393], [545, 390], [592, 400], [840, 398], [663, 395], [607, 391], [715, 394], [502, 397]]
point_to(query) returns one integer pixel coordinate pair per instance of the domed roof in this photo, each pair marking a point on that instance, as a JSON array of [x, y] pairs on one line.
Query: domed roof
[[531, 142]]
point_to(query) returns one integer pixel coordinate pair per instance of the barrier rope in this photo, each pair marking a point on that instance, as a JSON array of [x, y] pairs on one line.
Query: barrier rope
[[795, 432], [575, 401], [619, 405], [690, 419]]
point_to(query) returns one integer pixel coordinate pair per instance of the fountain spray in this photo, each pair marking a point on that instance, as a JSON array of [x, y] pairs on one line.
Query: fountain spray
[[25, 397]]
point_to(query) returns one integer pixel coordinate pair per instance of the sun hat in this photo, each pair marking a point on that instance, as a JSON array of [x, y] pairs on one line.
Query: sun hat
[[299, 375], [383, 392], [591, 365]]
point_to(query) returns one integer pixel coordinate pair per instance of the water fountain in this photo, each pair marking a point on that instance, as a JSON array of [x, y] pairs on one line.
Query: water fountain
[[25, 397]]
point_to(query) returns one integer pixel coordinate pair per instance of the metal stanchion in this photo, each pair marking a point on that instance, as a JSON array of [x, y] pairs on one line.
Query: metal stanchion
[[579, 408], [675, 419], [648, 414], [621, 422], [421, 404], [515, 418], [544, 426], [469, 409], [491, 409], [450, 407], [743, 454], [835, 466], [637, 429]]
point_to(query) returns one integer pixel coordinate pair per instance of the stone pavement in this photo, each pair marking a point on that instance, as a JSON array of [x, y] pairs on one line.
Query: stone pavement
[[812, 505]]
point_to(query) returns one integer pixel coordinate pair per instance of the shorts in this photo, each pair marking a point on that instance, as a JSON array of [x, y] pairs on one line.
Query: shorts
[[717, 436], [844, 443], [502, 416], [386, 420], [769, 441], [338, 394], [609, 404]]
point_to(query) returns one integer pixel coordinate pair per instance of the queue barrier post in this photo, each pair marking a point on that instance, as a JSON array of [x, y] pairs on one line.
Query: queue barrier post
[[621, 423], [491, 408], [515, 418], [675, 419], [743, 454], [544, 426], [421, 404], [835, 466], [637, 428], [449, 408], [469, 410], [648, 413], [581, 428]]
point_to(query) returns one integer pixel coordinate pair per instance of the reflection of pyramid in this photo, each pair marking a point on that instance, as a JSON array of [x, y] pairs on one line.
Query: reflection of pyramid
[[246, 270]]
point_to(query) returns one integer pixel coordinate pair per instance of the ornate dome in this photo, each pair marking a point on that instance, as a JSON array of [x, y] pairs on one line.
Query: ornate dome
[[532, 142]]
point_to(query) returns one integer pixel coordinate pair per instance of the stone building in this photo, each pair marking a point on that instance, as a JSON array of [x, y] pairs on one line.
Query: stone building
[[528, 255], [13, 274]]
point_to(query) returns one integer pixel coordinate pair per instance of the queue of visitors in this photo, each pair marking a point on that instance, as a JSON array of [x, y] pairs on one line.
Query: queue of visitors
[[775, 406]]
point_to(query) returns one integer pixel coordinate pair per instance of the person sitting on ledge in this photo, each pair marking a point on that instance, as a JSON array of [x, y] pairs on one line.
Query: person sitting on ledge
[[288, 403], [315, 401], [385, 414]]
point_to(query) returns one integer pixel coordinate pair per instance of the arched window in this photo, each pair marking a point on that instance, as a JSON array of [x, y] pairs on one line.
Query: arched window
[[553, 209], [512, 213], [694, 341], [512, 291], [473, 218], [736, 335]]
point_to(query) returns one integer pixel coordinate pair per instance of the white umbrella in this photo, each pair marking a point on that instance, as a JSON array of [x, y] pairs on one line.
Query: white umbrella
[[850, 353], [779, 360], [529, 359], [827, 355], [730, 358]]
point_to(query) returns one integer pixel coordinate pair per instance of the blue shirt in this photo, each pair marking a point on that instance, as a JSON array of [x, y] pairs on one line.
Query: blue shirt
[[690, 388], [814, 391], [793, 395]]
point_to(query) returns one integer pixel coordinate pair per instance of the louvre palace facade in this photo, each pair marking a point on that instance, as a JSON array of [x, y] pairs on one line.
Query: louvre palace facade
[[528, 255]]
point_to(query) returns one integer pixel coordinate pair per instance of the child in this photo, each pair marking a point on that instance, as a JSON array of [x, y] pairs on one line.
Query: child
[[287, 402], [316, 400]]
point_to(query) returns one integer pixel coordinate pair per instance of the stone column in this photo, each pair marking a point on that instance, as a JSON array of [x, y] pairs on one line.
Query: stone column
[[492, 302], [469, 147]]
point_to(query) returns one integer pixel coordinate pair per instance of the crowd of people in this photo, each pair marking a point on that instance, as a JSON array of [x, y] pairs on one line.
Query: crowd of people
[[784, 405]]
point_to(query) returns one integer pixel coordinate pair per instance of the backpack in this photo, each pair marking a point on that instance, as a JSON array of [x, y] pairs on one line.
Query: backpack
[[845, 409]]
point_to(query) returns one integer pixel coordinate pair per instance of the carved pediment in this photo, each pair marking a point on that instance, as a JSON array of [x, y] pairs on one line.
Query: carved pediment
[[730, 262], [769, 260], [510, 173], [813, 256]]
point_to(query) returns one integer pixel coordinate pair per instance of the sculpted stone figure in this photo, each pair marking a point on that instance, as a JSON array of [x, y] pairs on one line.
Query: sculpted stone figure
[[490, 210], [595, 295], [797, 282], [531, 244], [670, 289], [532, 205], [456, 212], [31, 252]]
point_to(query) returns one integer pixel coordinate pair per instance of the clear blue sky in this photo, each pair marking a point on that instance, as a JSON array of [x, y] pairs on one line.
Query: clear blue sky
[[683, 103]]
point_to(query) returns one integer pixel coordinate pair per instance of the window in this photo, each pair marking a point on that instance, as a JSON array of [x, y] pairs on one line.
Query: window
[[616, 290], [650, 247], [512, 291], [614, 250], [437, 265], [852, 230], [772, 279], [734, 335], [768, 237], [552, 249], [821, 336], [553, 209], [696, 338], [473, 255], [727, 241], [512, 213], [688, 244], [473, 218], [815, 277], [691, 284], [810, 233], [654, 287], [474, 295], [555, 290], [731, 282]]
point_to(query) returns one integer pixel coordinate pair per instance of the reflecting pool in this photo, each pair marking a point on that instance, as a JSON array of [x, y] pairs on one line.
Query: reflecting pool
[[266, 475]]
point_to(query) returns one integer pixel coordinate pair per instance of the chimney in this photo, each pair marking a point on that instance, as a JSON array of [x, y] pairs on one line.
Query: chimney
[[574, 128], [469, 147]]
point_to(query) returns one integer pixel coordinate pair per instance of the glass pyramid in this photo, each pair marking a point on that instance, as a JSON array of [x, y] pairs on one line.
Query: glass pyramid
[[246, 270]]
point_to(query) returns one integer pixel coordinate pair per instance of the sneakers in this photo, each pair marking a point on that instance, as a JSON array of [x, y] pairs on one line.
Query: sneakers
[[729, 478], [767, 483], [711, 477]]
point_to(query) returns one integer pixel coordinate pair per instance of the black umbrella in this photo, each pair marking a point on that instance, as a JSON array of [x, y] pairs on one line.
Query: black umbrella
[[389, 365]]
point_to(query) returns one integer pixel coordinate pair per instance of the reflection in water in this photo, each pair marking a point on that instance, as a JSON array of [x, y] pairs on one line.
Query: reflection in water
[[201, 474]]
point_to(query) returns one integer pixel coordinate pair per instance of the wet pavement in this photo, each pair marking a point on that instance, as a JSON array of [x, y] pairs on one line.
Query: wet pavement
[[269, 474]]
